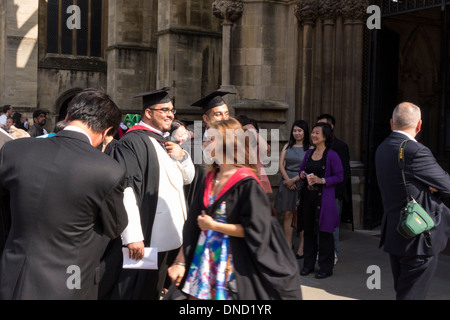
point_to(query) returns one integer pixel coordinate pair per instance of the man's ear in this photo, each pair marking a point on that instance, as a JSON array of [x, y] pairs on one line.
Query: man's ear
[[392, 125], [105, 133], [419, 126], [205, 118], [148, 113]]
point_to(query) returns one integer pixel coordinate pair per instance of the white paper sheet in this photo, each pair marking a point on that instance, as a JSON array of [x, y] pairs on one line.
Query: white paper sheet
[[150, 260], [4, 137]]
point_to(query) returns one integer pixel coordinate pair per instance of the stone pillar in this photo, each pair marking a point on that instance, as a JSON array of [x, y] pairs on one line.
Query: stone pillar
[[353, 12], [229, 11], [189, 52], [131, 51], [19, 53], [328, 12], [306, 12]]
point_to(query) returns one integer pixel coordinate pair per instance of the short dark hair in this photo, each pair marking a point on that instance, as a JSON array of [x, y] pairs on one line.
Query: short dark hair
[[59, 126], [6, 108], [327, 132], [38, 112], [330, 119], [96, 109], [244, 120]]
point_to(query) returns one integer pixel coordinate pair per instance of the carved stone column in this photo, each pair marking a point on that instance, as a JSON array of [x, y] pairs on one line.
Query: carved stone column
[[229, 11], [306, 12], [328, 12], [353, 12]]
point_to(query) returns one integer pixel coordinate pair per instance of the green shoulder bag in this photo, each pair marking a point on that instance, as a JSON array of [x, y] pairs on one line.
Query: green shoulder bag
[[414, 220]]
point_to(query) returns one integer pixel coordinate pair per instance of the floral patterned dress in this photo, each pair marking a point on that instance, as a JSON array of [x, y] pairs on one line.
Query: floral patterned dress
[[212, 266]]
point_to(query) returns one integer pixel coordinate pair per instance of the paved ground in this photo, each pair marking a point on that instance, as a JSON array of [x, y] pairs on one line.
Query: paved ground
[[358, 251]]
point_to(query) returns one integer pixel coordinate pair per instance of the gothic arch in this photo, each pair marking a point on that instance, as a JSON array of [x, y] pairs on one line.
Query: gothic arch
[[419, 80], [63, 102], [418, 65]]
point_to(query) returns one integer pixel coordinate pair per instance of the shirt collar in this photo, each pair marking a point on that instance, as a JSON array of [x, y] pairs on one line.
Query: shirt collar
[[76, 129], [164, 135], [406, 134]]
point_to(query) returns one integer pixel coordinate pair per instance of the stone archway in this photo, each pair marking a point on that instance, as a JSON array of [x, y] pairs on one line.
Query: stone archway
[[63, 102], [419, 80]]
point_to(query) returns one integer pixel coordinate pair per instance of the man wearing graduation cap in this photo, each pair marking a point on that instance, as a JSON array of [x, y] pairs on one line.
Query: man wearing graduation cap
[[214, 109], [157, 170]]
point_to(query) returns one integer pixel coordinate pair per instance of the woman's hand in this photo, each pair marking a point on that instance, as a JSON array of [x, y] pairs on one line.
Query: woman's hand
[[290, 184], [205, 222], [302, 175], [176, 272], [313, 179]]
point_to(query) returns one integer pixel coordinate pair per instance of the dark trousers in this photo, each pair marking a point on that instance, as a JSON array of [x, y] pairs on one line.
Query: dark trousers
[[316, 241], [412, 276]]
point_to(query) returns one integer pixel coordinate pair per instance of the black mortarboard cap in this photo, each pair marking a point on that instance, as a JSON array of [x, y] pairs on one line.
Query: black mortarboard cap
[[212, 100], [155, 97]]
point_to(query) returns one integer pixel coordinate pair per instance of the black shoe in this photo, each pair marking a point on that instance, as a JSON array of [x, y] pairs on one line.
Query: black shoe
[[323, 275], [306, 271]]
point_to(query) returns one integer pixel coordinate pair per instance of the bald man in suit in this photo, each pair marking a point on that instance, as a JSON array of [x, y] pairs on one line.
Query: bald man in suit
[[413, 261]]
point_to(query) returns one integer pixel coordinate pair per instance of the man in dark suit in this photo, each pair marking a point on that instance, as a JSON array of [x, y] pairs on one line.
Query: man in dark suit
[[413, 261], [63, 195]]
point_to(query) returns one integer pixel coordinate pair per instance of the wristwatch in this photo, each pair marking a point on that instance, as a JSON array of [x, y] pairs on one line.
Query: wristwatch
[[323, 180]]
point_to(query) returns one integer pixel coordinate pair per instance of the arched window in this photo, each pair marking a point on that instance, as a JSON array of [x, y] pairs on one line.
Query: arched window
[[74, 27]]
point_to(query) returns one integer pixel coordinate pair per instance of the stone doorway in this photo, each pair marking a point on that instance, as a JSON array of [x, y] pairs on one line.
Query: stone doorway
[[408, 62], [63, 103]]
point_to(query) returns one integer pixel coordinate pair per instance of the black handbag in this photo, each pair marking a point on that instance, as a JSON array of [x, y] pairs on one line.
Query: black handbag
[[414, 220]]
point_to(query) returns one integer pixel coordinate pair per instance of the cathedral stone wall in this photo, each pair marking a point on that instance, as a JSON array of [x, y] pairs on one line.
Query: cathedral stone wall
[[189, 52], [131, 52], [284, 59], [18, 53]]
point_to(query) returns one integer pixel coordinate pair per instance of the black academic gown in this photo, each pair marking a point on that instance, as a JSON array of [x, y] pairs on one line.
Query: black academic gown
[[265, 266], [137, 155], [193, 146]]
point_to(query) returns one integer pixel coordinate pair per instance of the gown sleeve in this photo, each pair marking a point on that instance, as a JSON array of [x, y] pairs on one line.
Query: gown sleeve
[[127, 154], [265, 240], [113, 213]]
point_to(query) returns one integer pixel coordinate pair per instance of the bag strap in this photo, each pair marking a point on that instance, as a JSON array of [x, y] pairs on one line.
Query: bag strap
[[401, 163]]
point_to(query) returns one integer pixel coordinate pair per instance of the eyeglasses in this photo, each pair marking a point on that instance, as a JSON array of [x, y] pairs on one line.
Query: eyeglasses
[[165, 110]]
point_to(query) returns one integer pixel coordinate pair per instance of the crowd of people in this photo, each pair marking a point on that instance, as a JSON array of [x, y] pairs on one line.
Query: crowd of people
[[19, 127], [72, 218]]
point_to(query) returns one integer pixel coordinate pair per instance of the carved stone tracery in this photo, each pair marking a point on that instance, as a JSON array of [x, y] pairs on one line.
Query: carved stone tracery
[[310, 10], [306, 10], [329, 9], [228, 10], [354, 9]]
